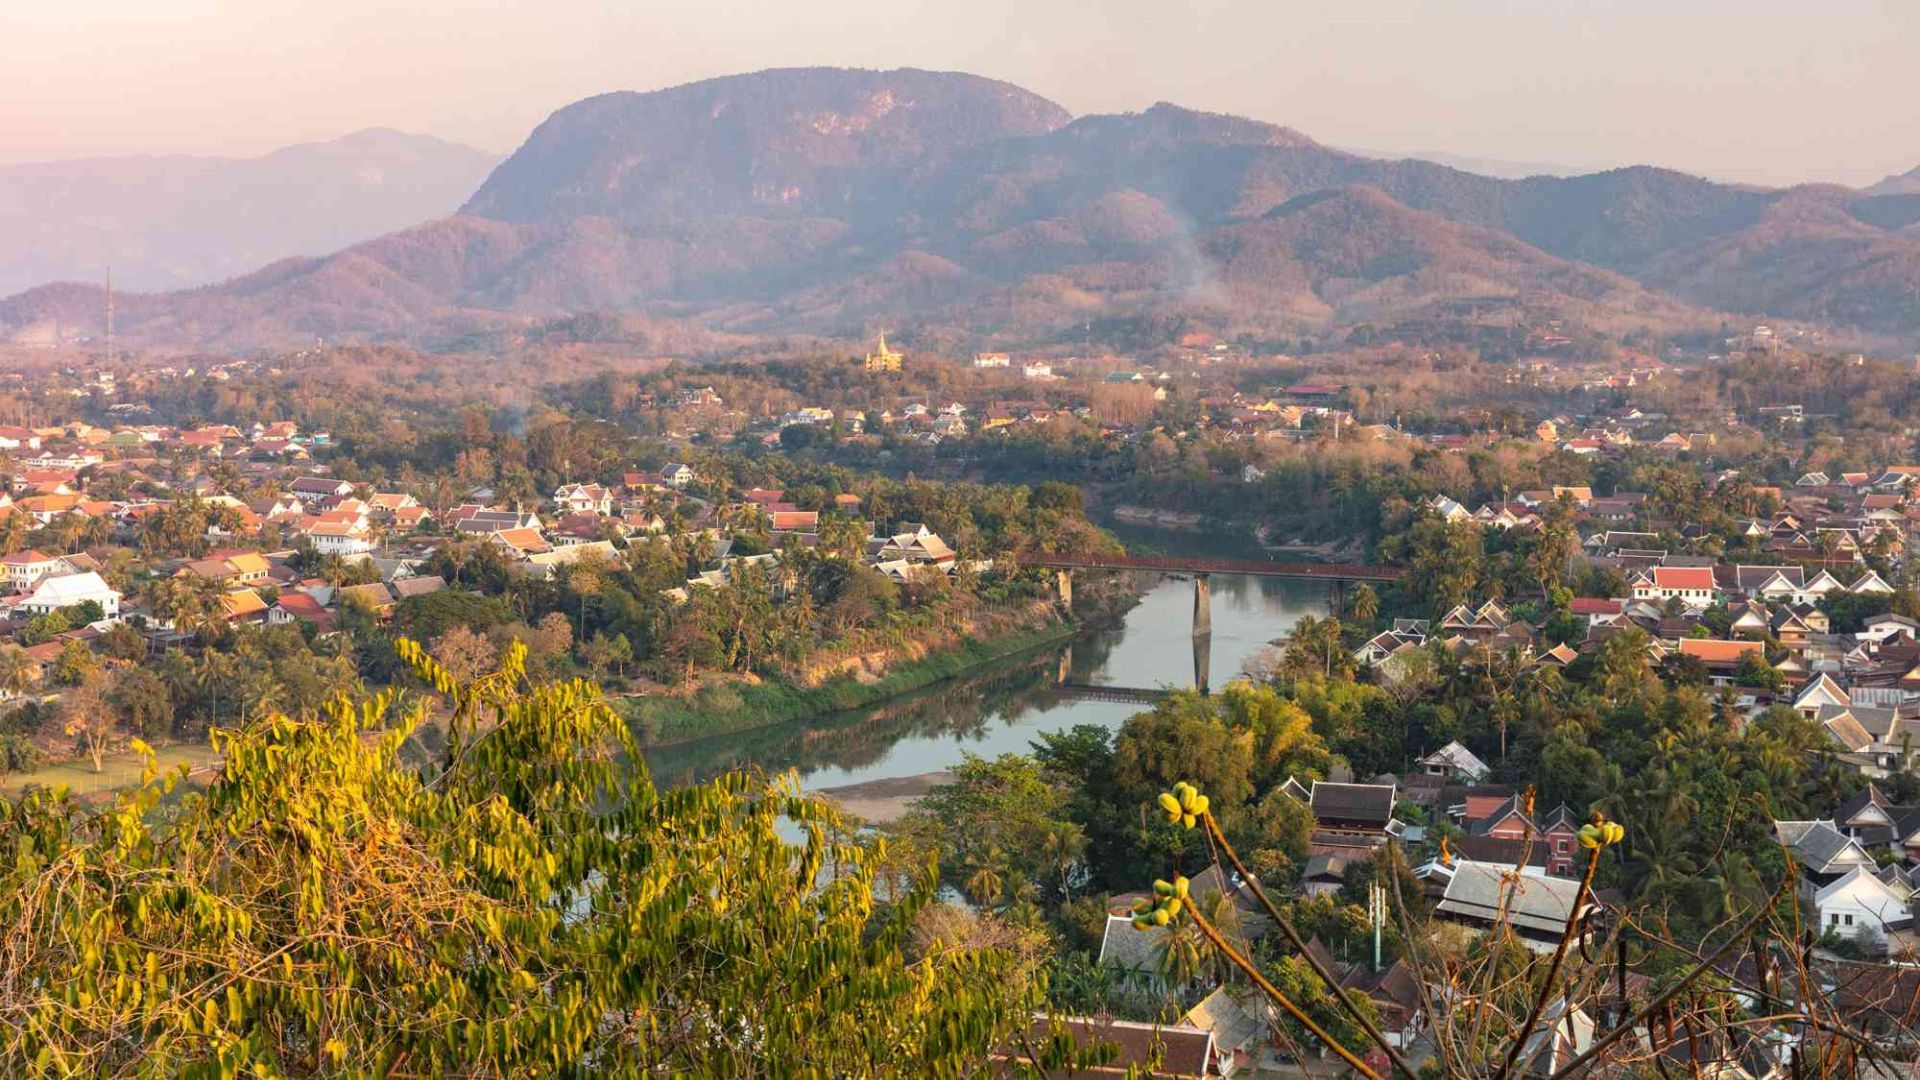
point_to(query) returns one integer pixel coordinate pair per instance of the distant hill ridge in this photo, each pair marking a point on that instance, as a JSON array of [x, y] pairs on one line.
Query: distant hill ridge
[[828, 201], [178, 221]]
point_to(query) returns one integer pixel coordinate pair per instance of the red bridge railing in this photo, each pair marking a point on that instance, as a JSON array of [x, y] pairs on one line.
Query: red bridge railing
[[1320, 571]]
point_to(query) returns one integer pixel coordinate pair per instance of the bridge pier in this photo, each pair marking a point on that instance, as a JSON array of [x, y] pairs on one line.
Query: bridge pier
[[1065, 673], [1063, 582], [1202, 662], [1337, 597], [1202, 605]]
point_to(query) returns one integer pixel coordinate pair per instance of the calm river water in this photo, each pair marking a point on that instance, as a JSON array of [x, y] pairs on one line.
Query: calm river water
[[1004, 709]]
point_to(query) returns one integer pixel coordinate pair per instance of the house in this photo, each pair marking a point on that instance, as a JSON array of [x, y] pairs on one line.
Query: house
[[1691, 585], [1870, 584], [293, 607], [1139, 1048], [1750, 617], [1484, 895], [1378, 648], [584, 499], [1882, 627], [339, 537], [24, 569], [1820, 585], [1790, 629], [790, 520], [485, 521], [1475, 623], [1769, 582], [676, 475], [424, 585], [542, 564], [1351, 819], [1860, 906], [1597, 611], [1397, 999], [1239, 1019], [375, 596], [1555, 835], [1824, 853], [1324, 875], [243, 605], [914, 546], [311, 489], [1456, 762], [1820, 690], [1136, 951], [66, 590], [1721, 658], [522, 542]]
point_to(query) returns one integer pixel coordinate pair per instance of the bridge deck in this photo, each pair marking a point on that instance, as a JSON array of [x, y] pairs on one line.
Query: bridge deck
[[1251, 567], [1136, 695]]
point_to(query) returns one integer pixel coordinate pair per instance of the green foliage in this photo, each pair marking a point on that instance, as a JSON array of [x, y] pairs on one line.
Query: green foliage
[[1002, 821], [44, 628], [535, 906]]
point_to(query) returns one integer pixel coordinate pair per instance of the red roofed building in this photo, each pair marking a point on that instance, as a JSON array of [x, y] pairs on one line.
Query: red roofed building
[[1691, 585], [299, 607], [1722, 658]]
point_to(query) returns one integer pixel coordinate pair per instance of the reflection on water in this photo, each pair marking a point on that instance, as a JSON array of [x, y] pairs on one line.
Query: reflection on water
[[1004, 709]]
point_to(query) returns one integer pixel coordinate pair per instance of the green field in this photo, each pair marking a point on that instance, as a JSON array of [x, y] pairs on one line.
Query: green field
[[121, 770]]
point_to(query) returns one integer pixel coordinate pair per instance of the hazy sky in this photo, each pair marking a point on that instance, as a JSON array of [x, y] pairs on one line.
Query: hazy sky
[[1763, 90]]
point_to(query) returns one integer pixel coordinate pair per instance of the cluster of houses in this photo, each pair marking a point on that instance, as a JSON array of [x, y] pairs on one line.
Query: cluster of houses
[[1502, 863], [1768, 603], [1505, 863], [388, 530]]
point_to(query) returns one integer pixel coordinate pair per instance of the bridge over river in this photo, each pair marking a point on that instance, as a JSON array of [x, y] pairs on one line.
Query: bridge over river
[[1336, 575], [1064, 564]]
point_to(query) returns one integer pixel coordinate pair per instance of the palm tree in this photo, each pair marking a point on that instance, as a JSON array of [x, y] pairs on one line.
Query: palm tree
[[17, 671], [985, 884], [1063, 845], [1365, 605], [1184, 953], [14, 528]]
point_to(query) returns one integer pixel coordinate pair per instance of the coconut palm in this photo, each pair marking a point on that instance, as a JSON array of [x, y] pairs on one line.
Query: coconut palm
[[14, 528], [17, 671], [1064, 845], [1184, 953], [1365, 605], [985, 884]]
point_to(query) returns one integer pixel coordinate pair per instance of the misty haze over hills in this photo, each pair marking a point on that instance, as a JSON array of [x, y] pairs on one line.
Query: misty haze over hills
[[171, 222], [970, 211]]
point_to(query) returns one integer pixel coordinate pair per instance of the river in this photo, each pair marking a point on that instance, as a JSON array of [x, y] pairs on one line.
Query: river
[[1004, 709]]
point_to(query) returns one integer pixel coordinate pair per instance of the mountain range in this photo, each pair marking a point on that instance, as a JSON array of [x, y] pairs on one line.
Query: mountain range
[[176, 221], [960, 210]]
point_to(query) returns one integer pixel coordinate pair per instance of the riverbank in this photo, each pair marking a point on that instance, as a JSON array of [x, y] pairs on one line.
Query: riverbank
[[733, 707], [884, 802]]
